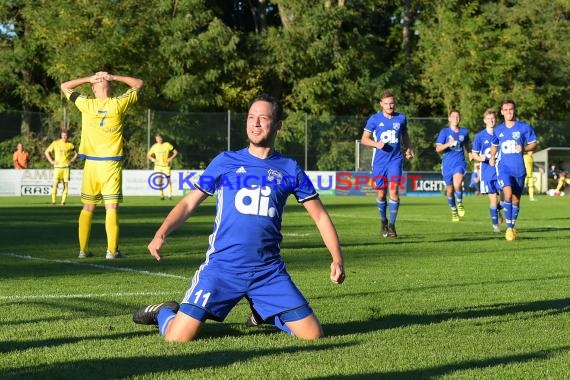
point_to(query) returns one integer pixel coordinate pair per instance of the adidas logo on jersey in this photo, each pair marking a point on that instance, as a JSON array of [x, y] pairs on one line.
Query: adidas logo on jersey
[[241, 170]]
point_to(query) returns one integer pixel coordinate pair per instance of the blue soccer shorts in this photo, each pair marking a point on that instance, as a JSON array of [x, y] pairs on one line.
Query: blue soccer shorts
[[391, 172], [516, 183], [449, 172], [216, 290]]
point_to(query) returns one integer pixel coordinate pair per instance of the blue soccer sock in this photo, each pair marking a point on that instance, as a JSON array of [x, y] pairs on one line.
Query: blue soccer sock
[[494, 215], [277, 322], [394, 205], [165, 315], [459, 196], [515, 214], [451, 203], [508, 207], [381, 204]]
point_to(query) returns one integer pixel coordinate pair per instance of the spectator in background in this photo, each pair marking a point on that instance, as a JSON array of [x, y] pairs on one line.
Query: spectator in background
[[20, 157], [553, 175]]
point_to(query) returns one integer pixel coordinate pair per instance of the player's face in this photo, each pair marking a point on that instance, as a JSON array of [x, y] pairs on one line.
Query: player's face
[[508, 111], [158, 139], [490, 120], [388, 105], [261, 129], [64, 136], [454, 119]]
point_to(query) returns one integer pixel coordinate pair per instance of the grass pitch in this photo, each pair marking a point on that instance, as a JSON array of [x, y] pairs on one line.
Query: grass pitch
[[444, 300]]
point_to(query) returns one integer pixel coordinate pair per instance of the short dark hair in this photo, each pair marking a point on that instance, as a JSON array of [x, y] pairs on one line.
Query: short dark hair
[[276, 104], [386, 94], [509, 101]]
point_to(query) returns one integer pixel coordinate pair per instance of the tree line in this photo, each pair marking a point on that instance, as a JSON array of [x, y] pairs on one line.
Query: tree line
[[322, 58]]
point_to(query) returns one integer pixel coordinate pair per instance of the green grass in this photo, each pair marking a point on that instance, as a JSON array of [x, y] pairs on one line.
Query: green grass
[[444, 300]]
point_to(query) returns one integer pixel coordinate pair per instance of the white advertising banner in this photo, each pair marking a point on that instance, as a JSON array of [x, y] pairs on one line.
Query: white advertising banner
[[38, 182]]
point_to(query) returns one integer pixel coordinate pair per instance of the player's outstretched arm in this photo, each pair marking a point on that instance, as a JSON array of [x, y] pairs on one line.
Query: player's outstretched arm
[[328, 232], [175, 219]]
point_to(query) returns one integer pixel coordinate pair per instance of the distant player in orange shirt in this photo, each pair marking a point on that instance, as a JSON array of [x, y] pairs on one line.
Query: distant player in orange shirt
[[20, 157]]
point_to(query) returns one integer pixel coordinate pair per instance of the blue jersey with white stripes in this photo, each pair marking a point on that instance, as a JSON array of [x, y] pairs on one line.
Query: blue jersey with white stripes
[[454, 155], [251, 194], [482, 145], [510, 161], [389, 131]]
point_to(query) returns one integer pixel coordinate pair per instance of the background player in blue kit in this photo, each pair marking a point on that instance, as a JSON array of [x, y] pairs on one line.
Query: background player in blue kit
[[511, 139], [387, 132], [482, 152], [243, 259], [452, 142]]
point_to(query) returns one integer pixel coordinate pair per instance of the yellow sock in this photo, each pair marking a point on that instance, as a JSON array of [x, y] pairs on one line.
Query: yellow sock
[[112, 229], [85, 218], [170, 190], [53, 192], [64, 192]]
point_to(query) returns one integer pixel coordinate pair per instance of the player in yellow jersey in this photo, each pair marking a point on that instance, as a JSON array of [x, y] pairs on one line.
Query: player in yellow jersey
[[63, 154], [529, 180], [162, 158], [102, 148]]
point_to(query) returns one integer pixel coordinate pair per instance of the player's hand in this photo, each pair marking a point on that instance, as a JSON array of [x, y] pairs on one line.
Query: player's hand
[[154, 247], [337, 273], [409, 154]]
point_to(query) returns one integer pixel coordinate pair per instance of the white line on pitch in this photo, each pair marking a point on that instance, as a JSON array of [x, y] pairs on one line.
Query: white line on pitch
[[75, 296], [99, 266]]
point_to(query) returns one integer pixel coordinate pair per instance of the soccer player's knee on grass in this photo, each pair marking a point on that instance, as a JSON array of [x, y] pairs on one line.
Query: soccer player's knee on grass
[[182, 328], [307, 328]]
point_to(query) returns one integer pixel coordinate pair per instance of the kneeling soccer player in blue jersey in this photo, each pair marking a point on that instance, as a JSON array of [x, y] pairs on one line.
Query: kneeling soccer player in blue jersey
[[243, 259]]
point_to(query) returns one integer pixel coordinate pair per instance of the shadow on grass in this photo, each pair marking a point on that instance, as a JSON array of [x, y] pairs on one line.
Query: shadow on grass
[[107, 368], [450, 369], [12, 346], [553, 307]]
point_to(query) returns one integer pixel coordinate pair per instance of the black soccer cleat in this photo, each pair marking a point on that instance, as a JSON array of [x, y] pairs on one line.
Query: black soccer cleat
[[384, 229], [147, 315], [392, 231], [253, 319]]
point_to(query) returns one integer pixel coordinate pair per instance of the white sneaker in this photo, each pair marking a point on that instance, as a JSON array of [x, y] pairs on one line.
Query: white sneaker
[[496, 228], [84, 255], [116, 255]]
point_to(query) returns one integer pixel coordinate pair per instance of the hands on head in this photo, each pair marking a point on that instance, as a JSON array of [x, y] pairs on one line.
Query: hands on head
[[101, 76]]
